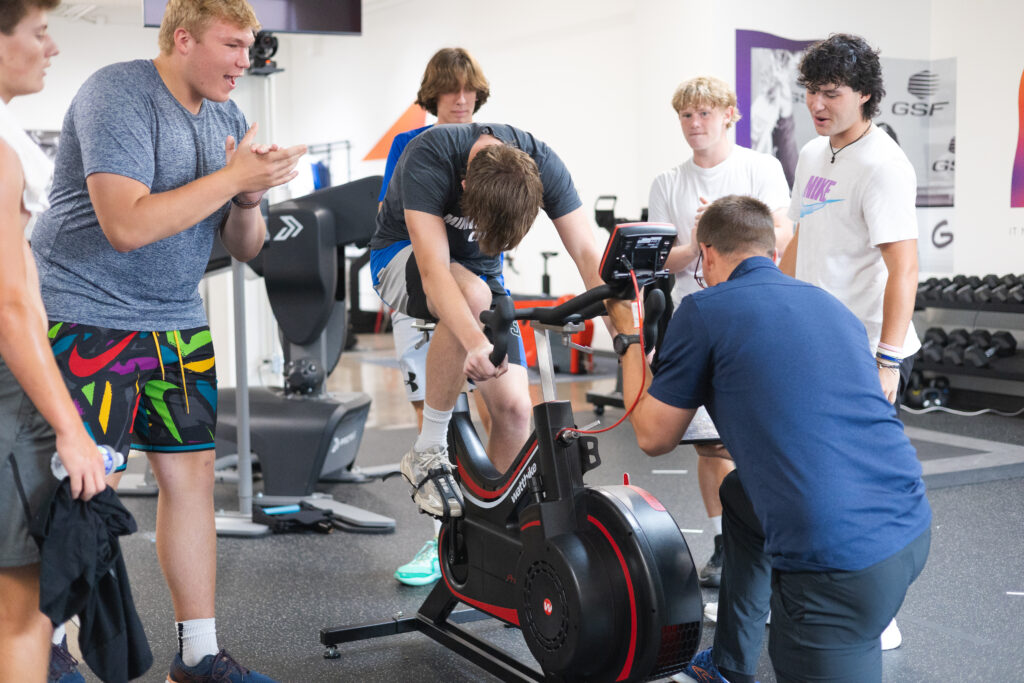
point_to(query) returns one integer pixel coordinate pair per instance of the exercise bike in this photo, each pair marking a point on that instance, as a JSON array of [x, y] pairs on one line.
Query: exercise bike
[[599, 578]]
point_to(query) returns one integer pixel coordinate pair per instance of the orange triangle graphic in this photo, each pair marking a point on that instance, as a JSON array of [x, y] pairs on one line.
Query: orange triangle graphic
[[413, 117]]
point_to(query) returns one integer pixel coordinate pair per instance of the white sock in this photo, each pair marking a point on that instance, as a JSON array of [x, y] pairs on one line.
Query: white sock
[[196, 639], [717, 522], [437, 527], [435, 428], [59, 633]]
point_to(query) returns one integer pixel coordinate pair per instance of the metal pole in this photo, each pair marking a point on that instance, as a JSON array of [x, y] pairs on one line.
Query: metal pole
[[242, 390]]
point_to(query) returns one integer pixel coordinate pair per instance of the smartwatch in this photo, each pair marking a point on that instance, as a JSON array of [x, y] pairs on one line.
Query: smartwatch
[[621, 342]]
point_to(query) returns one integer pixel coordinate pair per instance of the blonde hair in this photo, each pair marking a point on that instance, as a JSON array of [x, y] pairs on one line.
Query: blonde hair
[[449, 69], [195, 16], [707, 91]]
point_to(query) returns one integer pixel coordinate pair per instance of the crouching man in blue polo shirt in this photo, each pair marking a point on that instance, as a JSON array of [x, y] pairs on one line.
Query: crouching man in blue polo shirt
[[839, 525]]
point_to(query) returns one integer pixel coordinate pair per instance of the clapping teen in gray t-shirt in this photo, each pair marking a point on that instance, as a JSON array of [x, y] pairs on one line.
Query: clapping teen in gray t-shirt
[[154, 159]]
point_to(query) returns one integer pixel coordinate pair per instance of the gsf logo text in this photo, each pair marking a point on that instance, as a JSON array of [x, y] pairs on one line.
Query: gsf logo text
[[917, 108]]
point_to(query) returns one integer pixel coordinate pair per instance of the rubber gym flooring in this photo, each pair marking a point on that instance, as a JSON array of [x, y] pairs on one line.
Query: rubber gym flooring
[[962, 620]]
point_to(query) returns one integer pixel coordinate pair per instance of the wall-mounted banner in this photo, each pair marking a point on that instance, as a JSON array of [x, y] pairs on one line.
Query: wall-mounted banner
[[918, 111], [1017, 181]]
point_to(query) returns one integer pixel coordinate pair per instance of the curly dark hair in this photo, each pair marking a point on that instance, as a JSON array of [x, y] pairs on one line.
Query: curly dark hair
[[844, 59]]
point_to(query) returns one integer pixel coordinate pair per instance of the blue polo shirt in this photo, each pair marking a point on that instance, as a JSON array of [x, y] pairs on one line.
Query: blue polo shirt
[[785, 371]]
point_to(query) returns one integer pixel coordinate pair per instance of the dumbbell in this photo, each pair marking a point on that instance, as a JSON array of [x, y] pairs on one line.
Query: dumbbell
[[934, 339], [948, 293], [965, 293], [1001, 344], [1015, 294], [924, 289], [920, 394], [995, 288], [953, 352], [983, 294], [931, 289]]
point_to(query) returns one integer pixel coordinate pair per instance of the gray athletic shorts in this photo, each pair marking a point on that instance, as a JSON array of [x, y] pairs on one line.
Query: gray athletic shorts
[[412, 360], [400, 287], [27, 443]]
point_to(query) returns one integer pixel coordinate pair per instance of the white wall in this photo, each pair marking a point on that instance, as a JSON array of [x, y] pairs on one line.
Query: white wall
[[594, 80], [985, 38]]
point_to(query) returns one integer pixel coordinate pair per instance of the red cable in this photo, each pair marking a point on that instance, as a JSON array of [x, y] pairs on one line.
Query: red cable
[[643, 376]]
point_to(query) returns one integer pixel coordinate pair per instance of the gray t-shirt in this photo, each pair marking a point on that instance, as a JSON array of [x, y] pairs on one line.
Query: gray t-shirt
[[429, 177], [124, 121]]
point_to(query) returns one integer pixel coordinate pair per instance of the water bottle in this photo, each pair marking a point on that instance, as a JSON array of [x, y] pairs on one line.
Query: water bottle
[[111, 461]]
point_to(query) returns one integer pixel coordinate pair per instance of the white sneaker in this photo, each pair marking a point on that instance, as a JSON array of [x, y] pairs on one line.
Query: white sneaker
[[711, 613], [434, 488], [891, 636]]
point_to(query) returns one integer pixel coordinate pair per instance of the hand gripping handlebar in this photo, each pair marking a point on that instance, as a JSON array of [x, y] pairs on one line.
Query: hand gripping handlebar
[[498, 320]]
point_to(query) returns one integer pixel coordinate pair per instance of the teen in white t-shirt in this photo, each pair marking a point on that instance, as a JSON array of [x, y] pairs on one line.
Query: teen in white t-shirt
[[676, 196], [853, 201], [707, 109], [847, 211]]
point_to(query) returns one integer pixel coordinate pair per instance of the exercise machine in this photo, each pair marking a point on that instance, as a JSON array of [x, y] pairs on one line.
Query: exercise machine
[[301, 433], [598, 578]]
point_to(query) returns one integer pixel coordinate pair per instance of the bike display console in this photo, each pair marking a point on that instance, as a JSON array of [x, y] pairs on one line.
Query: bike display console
[[598, 578], [640, 247]]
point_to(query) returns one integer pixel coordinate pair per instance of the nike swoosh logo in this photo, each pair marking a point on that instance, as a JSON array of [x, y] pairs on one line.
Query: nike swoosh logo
[[198, 340], [806, 208], [155, 390], [84, 367]]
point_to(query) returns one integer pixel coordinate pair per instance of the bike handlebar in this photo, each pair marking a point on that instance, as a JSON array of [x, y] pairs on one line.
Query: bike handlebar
[[498, 320]]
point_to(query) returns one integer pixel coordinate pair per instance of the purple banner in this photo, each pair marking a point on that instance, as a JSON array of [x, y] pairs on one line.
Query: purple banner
[[746, 42]]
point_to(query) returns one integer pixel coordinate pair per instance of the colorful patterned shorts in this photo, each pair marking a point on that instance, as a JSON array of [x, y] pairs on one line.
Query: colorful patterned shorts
[[151, 391]]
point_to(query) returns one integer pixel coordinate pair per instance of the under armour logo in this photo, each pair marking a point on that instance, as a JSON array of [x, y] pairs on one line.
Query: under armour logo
[[411, 381]]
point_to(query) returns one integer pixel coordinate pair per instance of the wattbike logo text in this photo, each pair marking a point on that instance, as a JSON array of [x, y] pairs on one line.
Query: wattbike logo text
[[521, 486]]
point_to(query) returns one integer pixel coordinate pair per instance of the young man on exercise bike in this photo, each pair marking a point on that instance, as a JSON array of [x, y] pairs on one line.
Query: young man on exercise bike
[[459, 197]]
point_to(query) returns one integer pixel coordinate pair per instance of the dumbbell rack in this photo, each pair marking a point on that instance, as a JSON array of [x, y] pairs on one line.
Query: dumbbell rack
[[1009, 368]]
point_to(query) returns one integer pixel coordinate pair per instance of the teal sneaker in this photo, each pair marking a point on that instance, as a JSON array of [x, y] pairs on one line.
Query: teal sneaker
[[423, 569]]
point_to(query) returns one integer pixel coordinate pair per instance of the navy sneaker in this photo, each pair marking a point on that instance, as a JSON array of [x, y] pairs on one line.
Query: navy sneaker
[[702, 668], [219, 668], [63, 665]]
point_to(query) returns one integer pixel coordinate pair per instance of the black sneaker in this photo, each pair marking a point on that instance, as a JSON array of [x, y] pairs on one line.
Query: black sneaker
[[711, 573], [63, 665]]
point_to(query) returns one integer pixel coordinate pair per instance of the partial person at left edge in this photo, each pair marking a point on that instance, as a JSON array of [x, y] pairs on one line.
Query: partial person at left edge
[[154, 160], [37, 416]]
